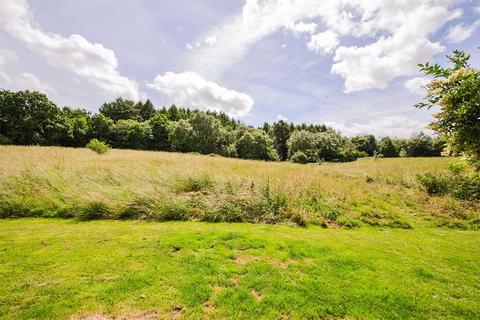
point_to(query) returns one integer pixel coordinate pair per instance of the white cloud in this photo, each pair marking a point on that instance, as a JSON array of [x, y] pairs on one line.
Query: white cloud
[[189, 89], [211, 40], [91, 61], [393, 126], [323, 42], [477, 9], [189, 46], [284, 45], [461, 32], [302, 27], [22, 81], [417, 85], [398, 35], [280, 117]]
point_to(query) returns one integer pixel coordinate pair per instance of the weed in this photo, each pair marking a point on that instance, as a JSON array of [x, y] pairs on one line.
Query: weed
[[200, 183]]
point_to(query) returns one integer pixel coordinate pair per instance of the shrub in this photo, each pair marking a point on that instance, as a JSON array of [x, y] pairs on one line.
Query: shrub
[[348, 223], [4, 140], [456, 183], [97, 146], [94, 210], [199, 183], [434, 183], [299, 157]]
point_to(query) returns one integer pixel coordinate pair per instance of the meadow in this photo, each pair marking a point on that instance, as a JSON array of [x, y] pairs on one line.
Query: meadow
[[126, 184], [88, 236]]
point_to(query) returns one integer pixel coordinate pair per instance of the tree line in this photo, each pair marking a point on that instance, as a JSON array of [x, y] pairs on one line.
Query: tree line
[[30, 118]]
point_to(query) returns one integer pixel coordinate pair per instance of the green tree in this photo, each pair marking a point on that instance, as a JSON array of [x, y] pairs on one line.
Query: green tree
[[159, 125], [206, 133], [180, 134], [120, 109], [28, 117], [145, 110], [302, 147], [421, 145], [366, 143], [255, 144], [101, 128], [320, 146], [387, 148], [456, 90], [76, 127], [131, 134], [281, 134]]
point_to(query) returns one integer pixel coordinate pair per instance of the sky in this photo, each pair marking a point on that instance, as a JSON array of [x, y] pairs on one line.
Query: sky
[[351, 64]]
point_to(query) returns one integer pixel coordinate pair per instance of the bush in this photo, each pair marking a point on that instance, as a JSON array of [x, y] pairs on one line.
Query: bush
[[299, 157], [201, 183], [456, 183], [97, 146], [4, 140], [434, 183]]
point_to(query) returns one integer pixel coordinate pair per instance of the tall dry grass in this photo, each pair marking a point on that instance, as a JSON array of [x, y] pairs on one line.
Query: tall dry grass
[[50, 181]]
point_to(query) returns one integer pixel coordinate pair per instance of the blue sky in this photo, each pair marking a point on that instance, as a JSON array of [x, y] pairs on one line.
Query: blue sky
[[348, 63]]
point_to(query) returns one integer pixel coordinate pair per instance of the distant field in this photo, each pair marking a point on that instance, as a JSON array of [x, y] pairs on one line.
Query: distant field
[[59, 269], [62, 182]]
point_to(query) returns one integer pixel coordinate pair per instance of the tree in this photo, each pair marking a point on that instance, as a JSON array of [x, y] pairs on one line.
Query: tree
[[255, 144], [101, 128], [421, 145], [302, 146], [205, 133], [366, 143], [180, 135], [387, 148], [145, 110], [456, 90], [329, 146], [131, 134], [76, 127], [159, 125], [281, 134], [120, 109], [320, 146], [28, 117]]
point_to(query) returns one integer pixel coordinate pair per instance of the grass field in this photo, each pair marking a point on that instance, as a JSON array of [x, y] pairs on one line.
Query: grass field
[[52, 268], [371, 243], [60, 182]]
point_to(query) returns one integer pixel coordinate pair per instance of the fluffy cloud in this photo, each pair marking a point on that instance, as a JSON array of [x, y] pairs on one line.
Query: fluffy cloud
[[302, 27], [211, 40], [91, 61], [461, 32], [189, 89], [417, 85], [281, 117], [393, 126], [324, 42], [19, 81], [397, 34]]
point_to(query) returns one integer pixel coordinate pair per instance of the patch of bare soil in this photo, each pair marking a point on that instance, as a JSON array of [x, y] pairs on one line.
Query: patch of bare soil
[[243, 260], [256, 294]]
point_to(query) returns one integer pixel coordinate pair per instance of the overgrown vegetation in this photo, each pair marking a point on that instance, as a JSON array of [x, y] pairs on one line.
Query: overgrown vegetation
[[457, 181], [126, 184], [30, 118], [97, 146]]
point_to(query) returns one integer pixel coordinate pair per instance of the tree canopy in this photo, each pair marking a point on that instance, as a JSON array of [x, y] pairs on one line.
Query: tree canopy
[[30, 118]]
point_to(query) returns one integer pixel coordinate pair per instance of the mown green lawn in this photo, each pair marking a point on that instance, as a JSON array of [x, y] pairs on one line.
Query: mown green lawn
[[56, 269]]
